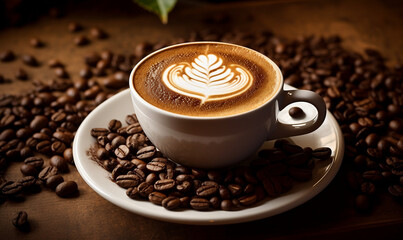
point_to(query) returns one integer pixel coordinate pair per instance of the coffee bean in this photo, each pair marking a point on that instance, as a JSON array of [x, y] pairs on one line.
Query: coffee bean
[[27, 181], [171, 203], [53, 63], [68, 155], [248, 200], [133, 193], [396, 190], [226, 205], [146, 152], [127, 181], [206, 190], [74, 27], [368, 188], [296, 112], [46, 172], [39, 122], [156, 197], [117, 141], [67, 189], [156, 166], [59, 162], [20, 220], [28, 170], [164, 184], [200, 204], [11, 188], [7, 120], [53, 181], [114, 125], [98, 33], [96, 132], [7, 56], [134, 128], [122, 151], [145, 189], [81, 40], [30, 60]]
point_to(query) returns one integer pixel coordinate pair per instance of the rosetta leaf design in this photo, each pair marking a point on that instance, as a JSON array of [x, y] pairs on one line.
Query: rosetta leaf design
[[207, 78]]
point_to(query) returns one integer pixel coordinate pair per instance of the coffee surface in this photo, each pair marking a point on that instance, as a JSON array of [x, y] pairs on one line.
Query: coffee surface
[[206, 79]]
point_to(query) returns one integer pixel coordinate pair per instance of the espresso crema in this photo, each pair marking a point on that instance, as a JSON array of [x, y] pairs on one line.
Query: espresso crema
[[206, 79]]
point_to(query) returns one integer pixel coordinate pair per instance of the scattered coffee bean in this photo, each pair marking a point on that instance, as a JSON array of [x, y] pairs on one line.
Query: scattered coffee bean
[[7, 56], [59, 162], [20, 220], [53, 181], [35, 42], [67, 189], [30, 60], [81, 41]]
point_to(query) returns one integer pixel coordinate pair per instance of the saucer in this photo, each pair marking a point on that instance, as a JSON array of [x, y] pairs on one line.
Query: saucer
[[120, 105]]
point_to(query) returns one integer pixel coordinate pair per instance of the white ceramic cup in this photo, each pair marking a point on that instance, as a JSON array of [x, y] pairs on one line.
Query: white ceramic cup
[[215, 142]]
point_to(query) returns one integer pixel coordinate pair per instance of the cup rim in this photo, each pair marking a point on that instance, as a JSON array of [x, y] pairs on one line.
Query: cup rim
[[188, 117]]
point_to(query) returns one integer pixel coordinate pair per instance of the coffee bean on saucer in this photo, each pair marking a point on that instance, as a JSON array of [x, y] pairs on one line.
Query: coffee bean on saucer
[[296, 112]]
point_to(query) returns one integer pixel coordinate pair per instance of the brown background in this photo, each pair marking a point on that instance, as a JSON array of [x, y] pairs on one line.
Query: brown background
[[362, 24]]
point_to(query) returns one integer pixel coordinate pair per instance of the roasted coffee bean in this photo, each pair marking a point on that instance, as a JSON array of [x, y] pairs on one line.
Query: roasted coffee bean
[[53, 181], [131, 119], [135, 141], [58, 147], [29, 60], [39, 122], [156, 166], [145, 189], [322, 153], [146, 152], [396, 190], [206, 190], [68, 155], [7, 56], [28, 170], [156, 197], [133, 193], [96, 132], [200, 204], [7, 120], [226, 205], [27, 181], [247, 200], [291, 148], [46, 172], [296, 112], [67, 189], [117, 141], [44, 147], [164, 184], [122, 151], [102, 154], [235, 189], [74, 27], [98, 33], [128, 181], [297, 159], [12, 188], [114, 125], [20, 220], [81, 40], [134, 128], [272, 186], [372, 175], [59, 162], [171, 203], [368, 188]]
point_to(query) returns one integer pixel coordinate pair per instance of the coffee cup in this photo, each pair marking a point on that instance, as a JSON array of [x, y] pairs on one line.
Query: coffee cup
[[213, 104]]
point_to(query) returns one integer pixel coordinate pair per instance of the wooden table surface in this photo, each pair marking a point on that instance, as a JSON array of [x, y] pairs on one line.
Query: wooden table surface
[[329, 215]]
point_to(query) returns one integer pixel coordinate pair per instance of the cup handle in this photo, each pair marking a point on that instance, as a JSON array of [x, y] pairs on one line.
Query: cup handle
[[281, 130]]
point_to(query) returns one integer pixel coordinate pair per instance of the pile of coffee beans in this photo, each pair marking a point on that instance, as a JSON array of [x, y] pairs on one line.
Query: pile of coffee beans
[[136, 165]]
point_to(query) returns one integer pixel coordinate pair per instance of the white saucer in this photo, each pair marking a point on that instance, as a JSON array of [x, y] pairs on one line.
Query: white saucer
[[118, 106]]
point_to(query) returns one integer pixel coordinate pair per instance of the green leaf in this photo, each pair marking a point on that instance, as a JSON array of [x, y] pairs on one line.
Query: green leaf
[[159, 7]]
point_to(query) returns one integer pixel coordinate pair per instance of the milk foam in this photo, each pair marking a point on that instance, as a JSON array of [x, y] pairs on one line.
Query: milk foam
[[207, 78]]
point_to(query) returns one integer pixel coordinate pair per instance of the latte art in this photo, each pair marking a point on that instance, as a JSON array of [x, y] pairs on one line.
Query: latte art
[[207, 79]]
